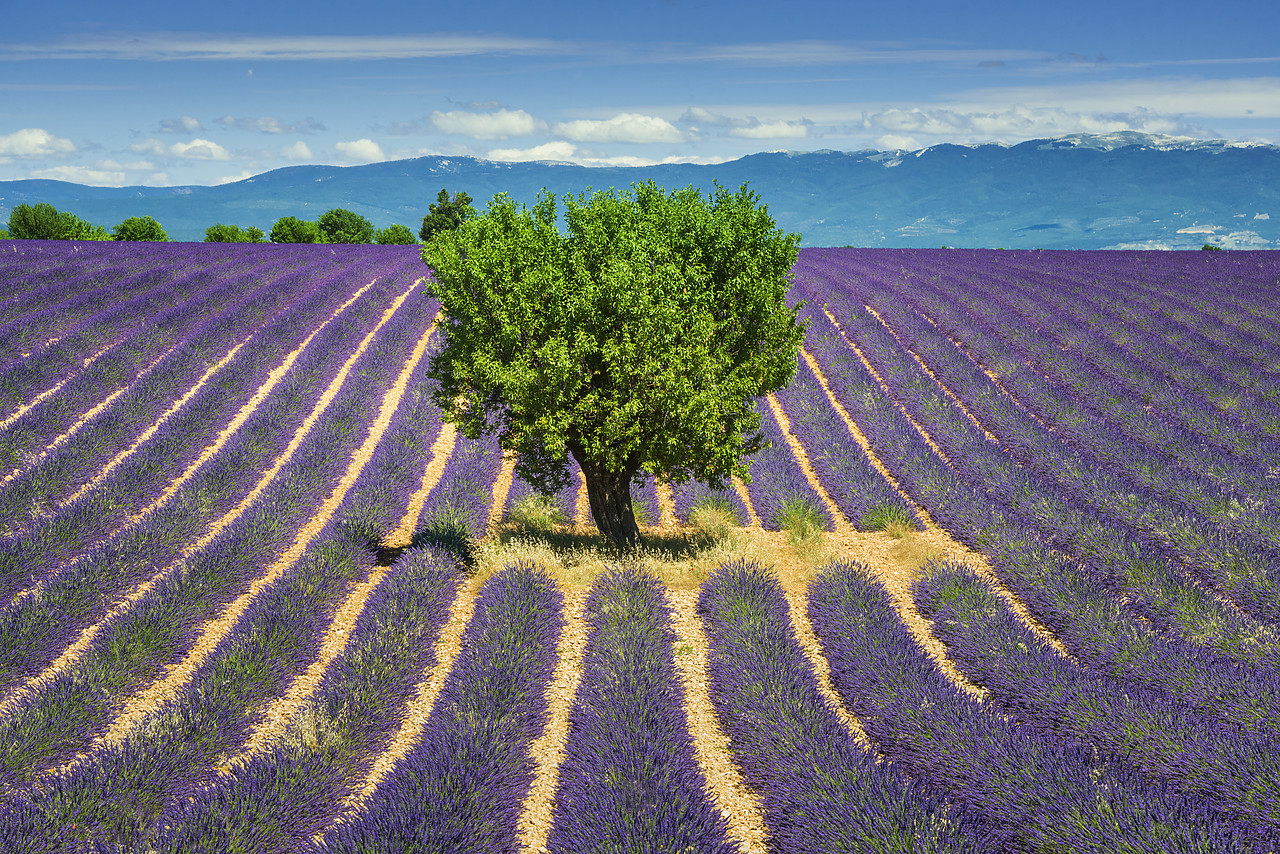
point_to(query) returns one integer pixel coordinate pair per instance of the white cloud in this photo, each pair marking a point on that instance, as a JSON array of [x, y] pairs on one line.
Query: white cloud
[[184, 124], [245, 173], [772, 130], [558, 150], [361, 151], [624, 127], [499, 124], [132, 166], [268, 124], [199, 149], [81, 175], [298, 151], [217, 46], [34, 142], [150, 146], [892, 142], [1014, 123], [1236, 98]]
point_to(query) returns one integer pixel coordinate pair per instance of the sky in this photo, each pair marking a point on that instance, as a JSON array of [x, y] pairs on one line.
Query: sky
[[164, 93]]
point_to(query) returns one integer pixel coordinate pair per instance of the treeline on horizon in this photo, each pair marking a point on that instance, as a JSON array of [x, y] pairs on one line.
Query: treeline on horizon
[[43, 221]]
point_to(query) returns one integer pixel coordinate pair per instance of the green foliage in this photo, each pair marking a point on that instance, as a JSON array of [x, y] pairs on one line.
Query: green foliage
[[639, 341], [894, 519], [339, 225], [535, 512], [220, 233], [75, 228], [446, 214], [290, 229], [45, 222], [1211, 247], [140, 228], [396, 235], [4, 234], [35, 222], [801, 520]]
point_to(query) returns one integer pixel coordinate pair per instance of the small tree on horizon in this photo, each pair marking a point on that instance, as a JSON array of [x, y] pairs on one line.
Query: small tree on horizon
[[290, 229], [395, 235], [140, 228], [638, 342], [339, 225], [446, 214], [221, 233]]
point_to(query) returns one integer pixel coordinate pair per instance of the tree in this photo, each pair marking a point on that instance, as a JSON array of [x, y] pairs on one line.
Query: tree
[[290, 229], [220, 233], [339, 225], [139, 228], [45, 222], [75, 228], [446, 214], [35, 222], [638, 342], [396, 235]]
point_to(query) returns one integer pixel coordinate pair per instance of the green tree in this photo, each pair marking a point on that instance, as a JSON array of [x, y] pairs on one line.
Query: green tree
[[75, 228], [139, 228], [638, 342], [339, 225], [397, 235], [446, 214], [40, 221], [290, 229], [220, 233]]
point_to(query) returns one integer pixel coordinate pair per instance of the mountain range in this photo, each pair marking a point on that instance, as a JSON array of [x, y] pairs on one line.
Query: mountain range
[[1122, 190]]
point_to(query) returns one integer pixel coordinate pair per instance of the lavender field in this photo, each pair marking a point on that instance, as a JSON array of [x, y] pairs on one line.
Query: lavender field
[[234, 614]]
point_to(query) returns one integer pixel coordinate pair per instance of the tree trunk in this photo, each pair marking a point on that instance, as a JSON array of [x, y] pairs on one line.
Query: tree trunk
[[610, 495]]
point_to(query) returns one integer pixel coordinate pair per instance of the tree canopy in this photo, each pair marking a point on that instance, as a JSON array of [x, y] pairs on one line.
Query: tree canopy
[[339, 225], [395, 235], [139, 228], [446, 214], [290, 229], [221, 233], [637, 342], [43, 221]]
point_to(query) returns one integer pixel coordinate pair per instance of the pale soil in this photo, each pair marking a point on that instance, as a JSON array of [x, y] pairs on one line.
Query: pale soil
[[119, 458], [418, 708], [548, 750], [23, 409], [75, 427], [280, 712], [215, 630]]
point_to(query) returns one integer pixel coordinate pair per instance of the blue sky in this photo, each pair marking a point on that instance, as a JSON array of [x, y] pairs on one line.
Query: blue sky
[[166, 93]]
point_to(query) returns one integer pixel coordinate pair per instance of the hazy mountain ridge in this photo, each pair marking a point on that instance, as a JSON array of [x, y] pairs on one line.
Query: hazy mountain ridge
[[1080, 191]]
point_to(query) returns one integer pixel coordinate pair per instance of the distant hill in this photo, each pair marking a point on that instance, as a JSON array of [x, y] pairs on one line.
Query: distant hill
[[1075, 192]]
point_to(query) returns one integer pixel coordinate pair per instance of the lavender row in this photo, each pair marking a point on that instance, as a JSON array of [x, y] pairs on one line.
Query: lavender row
[[1021, 781], [1227, 767], [112, 371], [778, 487], [845, 471], [118, 323], [461, 787], [58, 539], [1138, 564], [456, 512], [156, 629], [84, 320], [171, 754], [1074, 396], [1128, 332], [565, 502], [820, 791], [630, 779], [1235, 559], [1070, 598], [74, 462], [1123, 379], [280, 799], [693, 495]]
